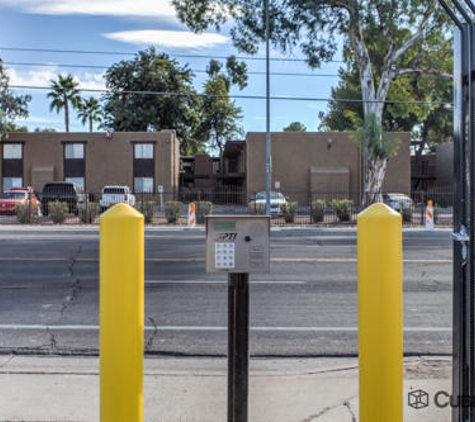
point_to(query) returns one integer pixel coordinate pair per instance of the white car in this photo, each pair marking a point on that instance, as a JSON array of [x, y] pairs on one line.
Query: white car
[[111, 195], [276, 200], [397, 201]]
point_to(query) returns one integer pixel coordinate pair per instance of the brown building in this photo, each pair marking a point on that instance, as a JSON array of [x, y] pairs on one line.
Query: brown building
[[311, 165], [445, 164], [217, 179], [141, 160], [424, 172]]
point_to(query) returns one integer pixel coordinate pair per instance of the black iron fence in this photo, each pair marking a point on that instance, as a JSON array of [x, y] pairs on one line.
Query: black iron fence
[[298, 208]]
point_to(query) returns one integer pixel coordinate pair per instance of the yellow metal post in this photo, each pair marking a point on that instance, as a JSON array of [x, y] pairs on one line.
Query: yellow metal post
[[380, 318], [121, 314]]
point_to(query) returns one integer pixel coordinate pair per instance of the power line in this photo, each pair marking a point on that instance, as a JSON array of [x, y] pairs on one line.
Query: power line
[[245, 97], [83, 66], [104, 67], [118, 53]]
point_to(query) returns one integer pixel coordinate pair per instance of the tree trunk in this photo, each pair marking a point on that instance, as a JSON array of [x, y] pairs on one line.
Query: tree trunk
[[374, 179], [373, 104], [66, 115]]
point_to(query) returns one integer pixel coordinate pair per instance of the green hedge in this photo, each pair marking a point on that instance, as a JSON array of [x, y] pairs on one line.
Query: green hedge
[[342, 208], [173, 211], [318, 210]]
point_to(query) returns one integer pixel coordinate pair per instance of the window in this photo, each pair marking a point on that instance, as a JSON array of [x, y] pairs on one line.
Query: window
[[143, 184], [12, 182], [74, 151], [144, 167], [143, 151], [12, 151], [12, 165], [74, 165], [78, 180]]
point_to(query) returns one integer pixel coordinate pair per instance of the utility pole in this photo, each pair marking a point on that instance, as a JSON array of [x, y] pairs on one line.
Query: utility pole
[[268, 138]]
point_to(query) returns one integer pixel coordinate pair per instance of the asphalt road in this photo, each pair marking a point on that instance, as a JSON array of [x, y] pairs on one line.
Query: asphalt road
[[306, 306]]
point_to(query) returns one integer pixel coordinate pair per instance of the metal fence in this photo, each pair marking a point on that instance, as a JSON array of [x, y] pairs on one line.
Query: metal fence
[[324, 209]]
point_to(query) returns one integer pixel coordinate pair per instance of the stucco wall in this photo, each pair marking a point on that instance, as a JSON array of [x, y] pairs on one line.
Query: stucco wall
[[107, 161], [294, 154], [445, 163]]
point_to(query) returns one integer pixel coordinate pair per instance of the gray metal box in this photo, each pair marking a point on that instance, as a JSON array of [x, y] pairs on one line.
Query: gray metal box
[[237, 244]]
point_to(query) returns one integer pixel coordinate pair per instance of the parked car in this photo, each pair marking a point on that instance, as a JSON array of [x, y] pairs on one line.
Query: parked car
[[113, 194], [276, 200], [397, 201], [11, 197], [70, 193]]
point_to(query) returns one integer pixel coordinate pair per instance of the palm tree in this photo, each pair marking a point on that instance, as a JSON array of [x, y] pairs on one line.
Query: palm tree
[[64, 91], [90, 111]]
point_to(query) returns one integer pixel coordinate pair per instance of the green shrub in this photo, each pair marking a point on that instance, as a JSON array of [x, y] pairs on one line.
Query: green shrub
[[173, 211], [57, 211], [27, 213], [342, 208], [406, 213], [318, 210], [203, 208], [257, 207], [146, 208], [88, 212], [289, 211]]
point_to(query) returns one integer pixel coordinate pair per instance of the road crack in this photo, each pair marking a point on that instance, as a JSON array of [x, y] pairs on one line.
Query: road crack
[[325, 410], [149, 343], [347, 404], [74, 289], [75, 285], [322, 412], [52, 340], [7, 362]]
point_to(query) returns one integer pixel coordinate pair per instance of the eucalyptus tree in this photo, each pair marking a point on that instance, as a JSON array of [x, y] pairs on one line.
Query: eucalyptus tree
[[219, 115], [90, 112], [316, 27], [417, 102], [64, 95]]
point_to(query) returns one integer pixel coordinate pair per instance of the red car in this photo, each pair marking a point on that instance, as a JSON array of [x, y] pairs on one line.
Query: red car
[[11, 197]]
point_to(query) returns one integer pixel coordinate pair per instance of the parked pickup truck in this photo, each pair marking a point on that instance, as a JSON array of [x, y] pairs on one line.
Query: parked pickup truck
[[67, 192], [111, 195]]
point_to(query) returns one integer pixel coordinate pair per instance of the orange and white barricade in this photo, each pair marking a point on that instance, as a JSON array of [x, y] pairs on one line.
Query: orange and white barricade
[[191, 216], [429, 216]]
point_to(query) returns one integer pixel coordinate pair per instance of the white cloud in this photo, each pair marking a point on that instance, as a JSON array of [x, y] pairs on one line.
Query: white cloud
[[128, 8], [173, 39], [56, 121], [33, 77], [92, 81], [41, 77]]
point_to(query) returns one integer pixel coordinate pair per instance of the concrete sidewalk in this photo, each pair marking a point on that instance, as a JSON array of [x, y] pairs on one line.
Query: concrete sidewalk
[[66, 389]]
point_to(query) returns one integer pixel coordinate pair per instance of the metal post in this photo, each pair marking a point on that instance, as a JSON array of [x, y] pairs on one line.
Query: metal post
[[380, 334], [238, 346], [268, 137], [461, 271], [121, 314], [463, 372]]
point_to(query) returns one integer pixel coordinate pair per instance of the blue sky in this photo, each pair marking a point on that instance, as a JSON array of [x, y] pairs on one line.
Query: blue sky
[[127, 26]]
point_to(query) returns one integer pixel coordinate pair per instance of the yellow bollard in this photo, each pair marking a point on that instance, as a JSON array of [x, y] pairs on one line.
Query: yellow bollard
[[121, 314], [380, 318]]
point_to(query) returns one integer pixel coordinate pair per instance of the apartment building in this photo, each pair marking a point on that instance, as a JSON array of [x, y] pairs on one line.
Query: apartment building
[[141, 160]]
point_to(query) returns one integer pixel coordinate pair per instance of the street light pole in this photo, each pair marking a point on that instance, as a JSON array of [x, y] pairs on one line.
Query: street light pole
[[268, 138]]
